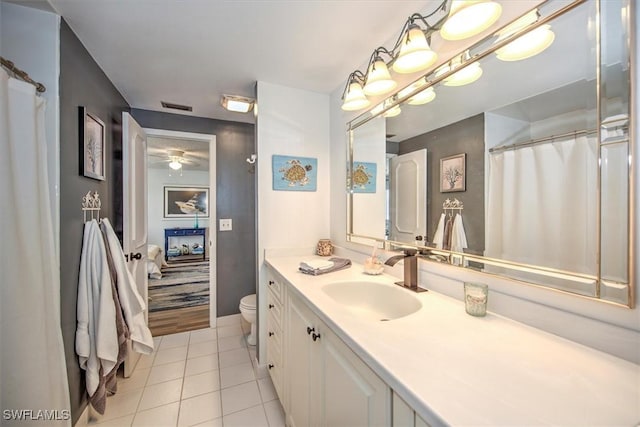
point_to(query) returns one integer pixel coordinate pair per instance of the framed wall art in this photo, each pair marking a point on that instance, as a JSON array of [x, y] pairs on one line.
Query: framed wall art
[[453, 173], [363, 179], [92, 145], [186, 202], [294, 173]]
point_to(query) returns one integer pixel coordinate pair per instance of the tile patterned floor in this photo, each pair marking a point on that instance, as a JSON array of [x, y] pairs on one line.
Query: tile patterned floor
[[207, 377]]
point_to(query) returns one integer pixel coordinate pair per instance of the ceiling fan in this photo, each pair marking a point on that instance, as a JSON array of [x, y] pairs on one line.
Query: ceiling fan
[[175, 158]]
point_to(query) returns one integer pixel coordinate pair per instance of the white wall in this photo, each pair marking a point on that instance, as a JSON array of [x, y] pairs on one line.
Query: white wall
[[603, 326], [31, 40], [290, 122], [157, 179]]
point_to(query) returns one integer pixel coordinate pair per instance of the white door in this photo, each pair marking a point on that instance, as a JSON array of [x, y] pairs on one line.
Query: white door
[[134, 178], [408, 196]]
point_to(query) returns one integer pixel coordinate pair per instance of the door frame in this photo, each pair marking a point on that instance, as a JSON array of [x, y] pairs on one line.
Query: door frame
[[211, 140]]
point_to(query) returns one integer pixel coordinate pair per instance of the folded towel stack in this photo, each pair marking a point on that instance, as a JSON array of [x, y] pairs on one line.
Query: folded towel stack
[[321, 266]]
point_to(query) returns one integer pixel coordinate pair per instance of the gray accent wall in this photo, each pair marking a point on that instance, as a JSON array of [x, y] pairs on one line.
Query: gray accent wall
[[235, 199], [465, 136], [82, 83]]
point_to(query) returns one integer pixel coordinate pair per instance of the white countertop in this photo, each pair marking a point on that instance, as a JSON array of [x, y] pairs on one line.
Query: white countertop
[[456, 369]]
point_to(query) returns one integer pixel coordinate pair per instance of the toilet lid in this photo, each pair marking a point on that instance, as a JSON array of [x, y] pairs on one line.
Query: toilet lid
[[249, 301]]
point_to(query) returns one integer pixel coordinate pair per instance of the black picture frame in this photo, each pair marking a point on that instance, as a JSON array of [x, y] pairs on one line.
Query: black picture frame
[[92, 145]]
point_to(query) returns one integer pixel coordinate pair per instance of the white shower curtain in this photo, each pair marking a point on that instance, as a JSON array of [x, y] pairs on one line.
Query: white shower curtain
[[33, 374], [542, 205]]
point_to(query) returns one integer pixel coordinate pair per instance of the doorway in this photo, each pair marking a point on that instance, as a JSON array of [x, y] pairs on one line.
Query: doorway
[[181, 197]]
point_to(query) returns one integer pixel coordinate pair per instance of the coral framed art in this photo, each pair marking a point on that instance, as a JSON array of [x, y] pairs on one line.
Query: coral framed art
[[453, 173]]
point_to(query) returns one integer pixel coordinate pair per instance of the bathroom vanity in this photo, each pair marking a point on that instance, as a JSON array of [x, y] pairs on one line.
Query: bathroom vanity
[[346, 348]]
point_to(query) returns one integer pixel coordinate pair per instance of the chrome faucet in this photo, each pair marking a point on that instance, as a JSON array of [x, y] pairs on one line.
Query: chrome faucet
[[410, 257]]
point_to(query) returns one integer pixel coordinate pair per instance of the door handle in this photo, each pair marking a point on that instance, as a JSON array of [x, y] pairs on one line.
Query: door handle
[[133, 256]]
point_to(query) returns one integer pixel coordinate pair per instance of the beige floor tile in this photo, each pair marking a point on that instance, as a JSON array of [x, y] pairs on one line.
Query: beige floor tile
[[174, 340], [136, 381], [229, 320], [267, 391], [121, 404], [203, 348], [202, 364], [211, 423], [233, 357], [254, 417], [208, 334], [166, 415], [275, 413], [170, 355], [235, 375], [231, 343], [117, 422], [166, 372], [146, 361], [240, 397], [200, 384], [161, 394], [230, 331], [199, 409]]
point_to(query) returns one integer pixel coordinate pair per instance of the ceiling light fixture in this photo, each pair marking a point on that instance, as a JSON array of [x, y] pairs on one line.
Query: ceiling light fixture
[[470, 17], [175, 165], [527, 45], [238, 104], [175, 159], [412, 51]]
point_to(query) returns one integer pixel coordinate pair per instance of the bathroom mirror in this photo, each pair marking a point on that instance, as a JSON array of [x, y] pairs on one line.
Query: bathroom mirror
[[534, 156]]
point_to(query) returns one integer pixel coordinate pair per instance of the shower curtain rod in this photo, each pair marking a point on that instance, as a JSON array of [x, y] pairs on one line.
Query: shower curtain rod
[[540, 140], [22, 75]]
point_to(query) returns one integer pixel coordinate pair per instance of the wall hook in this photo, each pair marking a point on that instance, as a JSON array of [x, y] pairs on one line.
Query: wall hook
[[252, 159]]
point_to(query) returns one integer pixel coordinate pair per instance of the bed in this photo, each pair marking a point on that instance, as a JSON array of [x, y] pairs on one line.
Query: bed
[[155, 261]]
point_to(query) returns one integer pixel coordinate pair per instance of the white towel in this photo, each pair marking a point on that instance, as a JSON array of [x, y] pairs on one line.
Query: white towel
[[96, 333], [437, 237], [458, 236], [133, 306], [319, 264]]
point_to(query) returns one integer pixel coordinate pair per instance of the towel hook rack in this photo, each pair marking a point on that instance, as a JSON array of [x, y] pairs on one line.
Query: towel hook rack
[[91, 204], [452, 205]]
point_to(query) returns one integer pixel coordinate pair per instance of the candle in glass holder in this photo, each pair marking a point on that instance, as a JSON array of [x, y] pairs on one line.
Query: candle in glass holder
[[475, 298]]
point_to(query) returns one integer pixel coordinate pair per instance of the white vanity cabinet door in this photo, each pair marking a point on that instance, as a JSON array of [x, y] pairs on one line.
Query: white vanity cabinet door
[[275, 360], [299, 349], [326, 383], [351, 393]]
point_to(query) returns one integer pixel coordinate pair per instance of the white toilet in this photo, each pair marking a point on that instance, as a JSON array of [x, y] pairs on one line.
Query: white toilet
[[248, 310]]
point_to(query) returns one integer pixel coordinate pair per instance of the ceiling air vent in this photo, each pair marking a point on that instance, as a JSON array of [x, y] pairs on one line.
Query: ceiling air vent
[[176, 106]]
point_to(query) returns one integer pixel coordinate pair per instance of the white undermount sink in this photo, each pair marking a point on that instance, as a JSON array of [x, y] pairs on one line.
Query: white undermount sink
[[373, 300]]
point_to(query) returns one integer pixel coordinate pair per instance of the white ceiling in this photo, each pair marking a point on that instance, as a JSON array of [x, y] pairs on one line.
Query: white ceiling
[[196, 153], [193, 51]]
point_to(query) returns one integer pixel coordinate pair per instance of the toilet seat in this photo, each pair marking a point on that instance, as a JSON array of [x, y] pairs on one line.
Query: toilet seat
[[248, 302]]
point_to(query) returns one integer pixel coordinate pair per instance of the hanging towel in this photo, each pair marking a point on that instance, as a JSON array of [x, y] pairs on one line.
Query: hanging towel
[[96, 333], [437, 237], [132, 303], [446, 238], [338, 264], [458, 236]]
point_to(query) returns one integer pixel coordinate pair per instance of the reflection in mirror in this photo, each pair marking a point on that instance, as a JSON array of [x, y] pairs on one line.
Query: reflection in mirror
[[531, 134]]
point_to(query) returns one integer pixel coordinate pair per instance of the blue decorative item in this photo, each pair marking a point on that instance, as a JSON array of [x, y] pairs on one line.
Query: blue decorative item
[[294, 173], [363, 179], [196, 223]]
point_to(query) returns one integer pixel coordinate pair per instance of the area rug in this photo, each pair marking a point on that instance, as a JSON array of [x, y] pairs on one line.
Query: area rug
[[182, 285]]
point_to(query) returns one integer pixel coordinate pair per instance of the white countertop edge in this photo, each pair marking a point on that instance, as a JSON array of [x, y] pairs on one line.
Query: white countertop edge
[[388, 375]]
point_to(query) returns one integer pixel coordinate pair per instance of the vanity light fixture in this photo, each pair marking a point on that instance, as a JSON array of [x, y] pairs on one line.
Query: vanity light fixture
[[411, 53], [393, 112], [469, 17], [415, 52], [466, 75], [378, 81], [423, 97], [527, 45], [238, 104]]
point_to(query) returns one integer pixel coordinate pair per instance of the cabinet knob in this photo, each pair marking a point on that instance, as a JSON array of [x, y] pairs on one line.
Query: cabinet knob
[[271, 334], [315, 336], [270, 366], [271, 282], [271, 306], [310, 329]]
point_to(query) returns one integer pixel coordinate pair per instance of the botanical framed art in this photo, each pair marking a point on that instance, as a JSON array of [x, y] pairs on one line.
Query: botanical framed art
[[453, 173], [294, 173], [92, 145], [186, 202]]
